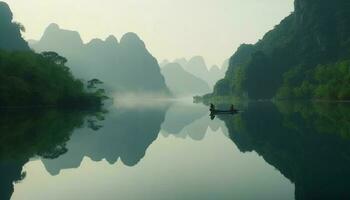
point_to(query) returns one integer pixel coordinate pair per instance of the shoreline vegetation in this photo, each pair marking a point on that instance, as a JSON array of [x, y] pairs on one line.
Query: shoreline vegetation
[[223, 100], [29, 79]]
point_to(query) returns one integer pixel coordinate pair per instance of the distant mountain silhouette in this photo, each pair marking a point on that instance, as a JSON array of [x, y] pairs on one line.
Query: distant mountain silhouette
[[164, 63], [225, 65], [198, 67], [123, 67], [126, 134], [182, 61], [10, 32], [182, 83], [215, 74]]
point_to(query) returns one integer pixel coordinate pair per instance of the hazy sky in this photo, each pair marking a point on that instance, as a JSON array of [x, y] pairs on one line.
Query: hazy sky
[[170, 28]]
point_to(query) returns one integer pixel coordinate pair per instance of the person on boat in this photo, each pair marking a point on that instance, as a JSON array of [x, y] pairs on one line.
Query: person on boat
[[232, 109], [212, 107]]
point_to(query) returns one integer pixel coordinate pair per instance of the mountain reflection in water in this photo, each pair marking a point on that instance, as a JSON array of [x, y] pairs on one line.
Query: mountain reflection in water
[[309, 144]]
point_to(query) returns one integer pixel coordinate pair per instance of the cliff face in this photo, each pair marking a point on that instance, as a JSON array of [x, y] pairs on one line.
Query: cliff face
[[140, 69], [316, 33], [10, 32], [125, 66]]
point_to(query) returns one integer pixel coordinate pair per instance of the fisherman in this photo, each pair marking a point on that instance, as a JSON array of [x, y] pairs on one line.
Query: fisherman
[[232, 109], [212, 107]]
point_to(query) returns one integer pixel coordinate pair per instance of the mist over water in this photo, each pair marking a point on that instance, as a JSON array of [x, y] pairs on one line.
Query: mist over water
[[143, 100], [137, 100]]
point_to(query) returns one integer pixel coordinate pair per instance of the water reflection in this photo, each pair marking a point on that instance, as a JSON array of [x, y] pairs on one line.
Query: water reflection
[[185, 120], [31, 133], [125, 134], [181, 115], [10, 172], [308, 143]]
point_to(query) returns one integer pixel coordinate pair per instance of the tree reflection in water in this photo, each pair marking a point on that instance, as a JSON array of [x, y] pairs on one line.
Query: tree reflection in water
[[27, 134], [308, 143]]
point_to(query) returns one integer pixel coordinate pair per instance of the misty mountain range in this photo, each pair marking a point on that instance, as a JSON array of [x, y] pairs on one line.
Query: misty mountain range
[[198, 67], [125, 66], [182, 83]]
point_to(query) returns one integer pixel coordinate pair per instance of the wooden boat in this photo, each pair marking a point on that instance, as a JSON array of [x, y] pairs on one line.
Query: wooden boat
[[214, 111], [222, 112]]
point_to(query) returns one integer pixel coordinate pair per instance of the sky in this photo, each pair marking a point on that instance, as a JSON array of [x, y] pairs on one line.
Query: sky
[[171, 29]]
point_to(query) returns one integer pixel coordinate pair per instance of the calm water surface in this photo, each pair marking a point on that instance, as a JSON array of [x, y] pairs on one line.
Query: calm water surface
[[269, 151]]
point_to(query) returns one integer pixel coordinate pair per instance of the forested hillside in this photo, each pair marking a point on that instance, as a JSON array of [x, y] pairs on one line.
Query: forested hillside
[[306, 56], [30, 79]]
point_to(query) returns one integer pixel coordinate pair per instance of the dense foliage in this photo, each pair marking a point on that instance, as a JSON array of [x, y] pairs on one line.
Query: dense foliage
[[302, 57], [30, 79], [328, 82]]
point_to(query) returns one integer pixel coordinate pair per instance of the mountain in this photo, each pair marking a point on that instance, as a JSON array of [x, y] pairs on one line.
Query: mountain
[[182, 61], [124, 66], [31, 42], [182, 83], [163, 63], [66, 43], [304, 57], [198, 67], [224, 66], [215, 74], [10, 34], [139, 69]]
